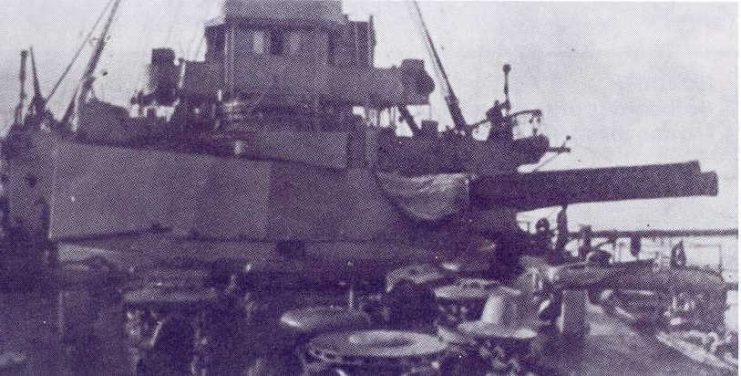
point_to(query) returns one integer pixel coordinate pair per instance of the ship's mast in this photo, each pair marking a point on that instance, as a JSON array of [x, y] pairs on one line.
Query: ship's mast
[[88, 77], [84, 43], [18, 119], [36, 107], [450, 98]]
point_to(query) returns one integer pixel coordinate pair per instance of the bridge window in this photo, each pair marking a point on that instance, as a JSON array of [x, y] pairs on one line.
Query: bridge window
[[276, 42], [293, 43], [260, 42]]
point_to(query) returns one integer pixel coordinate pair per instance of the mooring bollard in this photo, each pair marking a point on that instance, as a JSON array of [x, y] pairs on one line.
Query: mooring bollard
[[573, 320]]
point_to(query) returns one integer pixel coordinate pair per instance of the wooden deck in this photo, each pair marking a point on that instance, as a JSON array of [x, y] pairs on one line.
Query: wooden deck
[[28, 326], [613, 347]]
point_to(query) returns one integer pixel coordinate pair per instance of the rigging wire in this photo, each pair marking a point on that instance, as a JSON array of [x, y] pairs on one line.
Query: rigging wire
[[546, 162], [107, 31], [111, 52], [451, 100], [194, 49], [201, 44], [551, 159], [174, 17], [416, 16], [419, 23], [79, 51], [85, 86], [199, 37]]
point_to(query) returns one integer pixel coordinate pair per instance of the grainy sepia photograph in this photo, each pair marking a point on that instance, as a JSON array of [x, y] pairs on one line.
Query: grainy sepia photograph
[[368, 188]]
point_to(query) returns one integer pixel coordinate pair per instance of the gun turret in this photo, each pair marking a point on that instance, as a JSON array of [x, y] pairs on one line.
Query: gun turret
[[543, 189]]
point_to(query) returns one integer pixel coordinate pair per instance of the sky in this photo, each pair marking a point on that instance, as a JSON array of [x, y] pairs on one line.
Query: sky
[[631, 83]]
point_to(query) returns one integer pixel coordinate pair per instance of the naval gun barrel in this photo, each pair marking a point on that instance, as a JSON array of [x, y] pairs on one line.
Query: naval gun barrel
[[528, 191], [657, 233]]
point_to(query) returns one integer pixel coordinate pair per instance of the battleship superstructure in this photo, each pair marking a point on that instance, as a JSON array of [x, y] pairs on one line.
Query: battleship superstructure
[[258, 149], [268, 163]]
